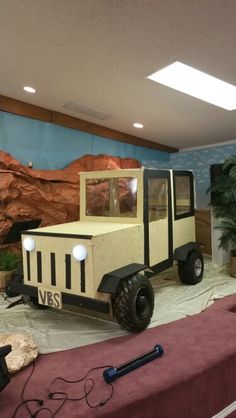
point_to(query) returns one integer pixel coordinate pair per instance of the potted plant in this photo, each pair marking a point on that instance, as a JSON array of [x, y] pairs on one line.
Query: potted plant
[[8, 264], [223, 202]]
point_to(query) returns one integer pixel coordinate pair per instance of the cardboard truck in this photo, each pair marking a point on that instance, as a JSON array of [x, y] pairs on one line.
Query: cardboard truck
[[134, 223]]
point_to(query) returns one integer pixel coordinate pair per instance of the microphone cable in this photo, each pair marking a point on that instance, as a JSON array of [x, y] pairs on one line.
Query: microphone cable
[[88, 387]]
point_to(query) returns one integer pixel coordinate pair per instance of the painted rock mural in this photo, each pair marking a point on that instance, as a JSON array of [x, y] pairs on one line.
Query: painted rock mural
[[50, 195]]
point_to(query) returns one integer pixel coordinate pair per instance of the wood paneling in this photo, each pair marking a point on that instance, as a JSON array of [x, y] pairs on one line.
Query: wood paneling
[[203, 229], [24, 109], [28, 110]]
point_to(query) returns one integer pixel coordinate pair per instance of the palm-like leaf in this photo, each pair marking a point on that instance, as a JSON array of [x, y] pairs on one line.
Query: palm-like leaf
[[223, 203], [228, 237], [230, 161]]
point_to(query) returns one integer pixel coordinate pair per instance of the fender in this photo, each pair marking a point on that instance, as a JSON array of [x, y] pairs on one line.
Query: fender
[[110, 281], [181, 253]]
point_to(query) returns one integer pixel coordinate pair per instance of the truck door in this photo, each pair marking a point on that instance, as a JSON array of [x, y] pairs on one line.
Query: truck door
[[157, 219]]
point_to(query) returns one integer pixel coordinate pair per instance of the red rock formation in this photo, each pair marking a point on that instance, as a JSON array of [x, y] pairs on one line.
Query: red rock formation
[[50, 195]]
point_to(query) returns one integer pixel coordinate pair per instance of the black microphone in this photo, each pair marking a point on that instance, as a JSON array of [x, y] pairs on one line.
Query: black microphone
[[113, 373]]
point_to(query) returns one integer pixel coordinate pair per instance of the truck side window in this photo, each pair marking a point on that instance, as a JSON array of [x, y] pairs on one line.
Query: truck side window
[[183, 194], [157, 199]]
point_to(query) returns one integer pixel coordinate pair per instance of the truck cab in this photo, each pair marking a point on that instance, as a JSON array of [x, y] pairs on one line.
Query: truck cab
[[134, 223]]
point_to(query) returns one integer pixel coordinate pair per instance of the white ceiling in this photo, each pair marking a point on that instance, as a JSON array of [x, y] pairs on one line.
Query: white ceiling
[[97, 53]]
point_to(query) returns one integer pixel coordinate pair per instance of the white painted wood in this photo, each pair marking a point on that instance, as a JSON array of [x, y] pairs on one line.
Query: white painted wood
[[226, 411]]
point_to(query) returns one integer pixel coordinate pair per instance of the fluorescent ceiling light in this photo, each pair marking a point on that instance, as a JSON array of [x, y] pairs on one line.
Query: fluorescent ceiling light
[[203, 86], [138, 125], [29, 89]]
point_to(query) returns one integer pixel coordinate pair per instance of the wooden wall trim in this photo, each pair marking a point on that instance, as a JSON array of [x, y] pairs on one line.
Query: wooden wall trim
[[28, 110], [82, 125]]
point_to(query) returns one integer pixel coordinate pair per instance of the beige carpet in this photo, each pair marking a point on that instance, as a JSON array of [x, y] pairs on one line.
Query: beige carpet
[[55, 330]]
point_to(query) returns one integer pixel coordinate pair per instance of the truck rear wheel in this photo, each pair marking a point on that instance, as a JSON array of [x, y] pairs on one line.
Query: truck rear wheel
[[191, 270], [134, 303]]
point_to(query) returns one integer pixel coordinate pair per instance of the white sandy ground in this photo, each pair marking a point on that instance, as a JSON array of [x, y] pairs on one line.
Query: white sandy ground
[[55, 330]]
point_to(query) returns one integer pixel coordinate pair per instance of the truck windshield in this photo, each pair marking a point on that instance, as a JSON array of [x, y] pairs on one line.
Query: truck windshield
[[114, 197]]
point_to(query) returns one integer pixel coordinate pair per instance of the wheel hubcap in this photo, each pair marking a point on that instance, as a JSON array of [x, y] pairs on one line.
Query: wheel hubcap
[[141, 303], [198, 267]]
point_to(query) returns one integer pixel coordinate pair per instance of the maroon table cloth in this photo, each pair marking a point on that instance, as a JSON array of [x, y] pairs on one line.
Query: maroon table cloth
[[195, 378]]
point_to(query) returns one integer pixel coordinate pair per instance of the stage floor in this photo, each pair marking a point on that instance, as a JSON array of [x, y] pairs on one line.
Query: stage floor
[[55, 330]]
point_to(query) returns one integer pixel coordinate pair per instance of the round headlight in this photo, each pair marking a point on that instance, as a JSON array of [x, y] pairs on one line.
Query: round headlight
[[29, 244], [79, 252]]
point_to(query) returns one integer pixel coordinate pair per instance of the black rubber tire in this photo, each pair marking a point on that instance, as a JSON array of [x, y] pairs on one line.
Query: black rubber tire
[[15, 279], [8, 292], [134, 303], [33, 302], [191, 270]]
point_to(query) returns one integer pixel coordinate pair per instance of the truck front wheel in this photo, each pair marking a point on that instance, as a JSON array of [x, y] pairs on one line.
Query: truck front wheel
[[134, 303], [33, 302], [191, 270]]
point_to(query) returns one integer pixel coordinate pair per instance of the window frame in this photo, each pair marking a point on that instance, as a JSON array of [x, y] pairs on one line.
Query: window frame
[[129, 172], [107, 198], [189, 174], [167, 198]]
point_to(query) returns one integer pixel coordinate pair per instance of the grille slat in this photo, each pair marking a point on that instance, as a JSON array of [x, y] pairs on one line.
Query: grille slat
[[68, 271], [28, 265], [53, 269], [39, 266], [82, 276]]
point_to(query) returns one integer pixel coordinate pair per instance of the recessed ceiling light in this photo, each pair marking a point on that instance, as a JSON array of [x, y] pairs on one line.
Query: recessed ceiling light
[[138, 125], [198, 84], [29, 89]]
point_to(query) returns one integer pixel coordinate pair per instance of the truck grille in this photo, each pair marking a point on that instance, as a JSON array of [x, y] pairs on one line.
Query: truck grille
[[39, 270]]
